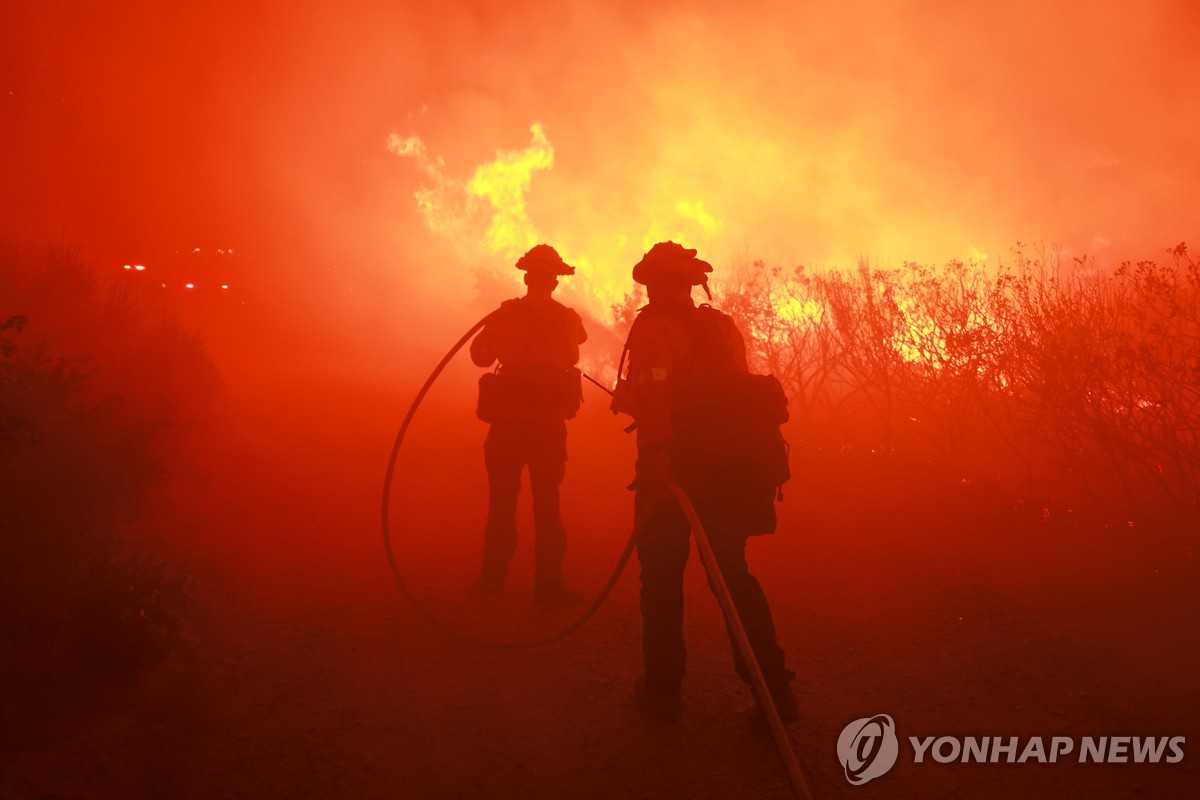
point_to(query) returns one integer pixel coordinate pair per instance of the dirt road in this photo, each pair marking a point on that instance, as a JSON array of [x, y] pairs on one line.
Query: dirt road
[[309, 677]]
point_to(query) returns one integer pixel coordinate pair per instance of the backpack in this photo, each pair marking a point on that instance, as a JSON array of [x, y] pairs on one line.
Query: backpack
[[728, 449]]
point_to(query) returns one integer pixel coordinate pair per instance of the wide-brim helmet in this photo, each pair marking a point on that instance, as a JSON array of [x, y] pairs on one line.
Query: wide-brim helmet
[[668, 259], [544, 259]]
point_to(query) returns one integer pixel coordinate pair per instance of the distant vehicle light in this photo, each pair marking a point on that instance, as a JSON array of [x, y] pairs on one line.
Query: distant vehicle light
[[127, 266], [139, 267], [190, 285], [224, 285]]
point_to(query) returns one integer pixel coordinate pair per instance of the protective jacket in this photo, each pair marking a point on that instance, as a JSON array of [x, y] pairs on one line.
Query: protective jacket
[[533, 390], [536, 342], [694, 400]]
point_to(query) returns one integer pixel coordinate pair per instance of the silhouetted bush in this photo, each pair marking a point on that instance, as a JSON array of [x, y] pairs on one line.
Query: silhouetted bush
[[1068, 384], [89, 382]]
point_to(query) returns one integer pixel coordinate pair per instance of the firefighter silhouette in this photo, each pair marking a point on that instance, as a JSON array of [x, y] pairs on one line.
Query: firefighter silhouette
[[527, 399], [688, 388]]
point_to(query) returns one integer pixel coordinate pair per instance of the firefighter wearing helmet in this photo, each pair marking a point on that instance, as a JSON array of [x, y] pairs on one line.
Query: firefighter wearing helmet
[[682, 362], [535, 388]]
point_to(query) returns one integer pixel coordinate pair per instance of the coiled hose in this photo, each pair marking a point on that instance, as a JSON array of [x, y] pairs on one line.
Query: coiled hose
[[495, 644], [778, 733]]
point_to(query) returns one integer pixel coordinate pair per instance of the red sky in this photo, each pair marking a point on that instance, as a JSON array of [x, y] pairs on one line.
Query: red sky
[[920, 131]]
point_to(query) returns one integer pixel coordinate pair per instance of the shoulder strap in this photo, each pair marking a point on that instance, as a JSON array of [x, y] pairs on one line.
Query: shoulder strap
[[625, 347], [710, 339]]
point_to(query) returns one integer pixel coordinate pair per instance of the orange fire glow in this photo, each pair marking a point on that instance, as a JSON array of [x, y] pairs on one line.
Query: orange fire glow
[[488, 214]]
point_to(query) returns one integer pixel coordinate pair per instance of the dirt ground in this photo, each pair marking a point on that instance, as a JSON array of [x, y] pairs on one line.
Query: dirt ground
[[310, 677]]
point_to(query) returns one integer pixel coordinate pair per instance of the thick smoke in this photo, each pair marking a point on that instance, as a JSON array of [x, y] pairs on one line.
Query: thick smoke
[[795, 133]]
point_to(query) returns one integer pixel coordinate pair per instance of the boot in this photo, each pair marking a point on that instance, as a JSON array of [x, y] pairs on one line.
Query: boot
[[785, 704], [665, 707]]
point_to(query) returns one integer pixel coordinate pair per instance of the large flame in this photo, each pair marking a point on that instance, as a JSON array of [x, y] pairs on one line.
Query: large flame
[[495, 194], [453, 208], [488, 214], [504, 184]]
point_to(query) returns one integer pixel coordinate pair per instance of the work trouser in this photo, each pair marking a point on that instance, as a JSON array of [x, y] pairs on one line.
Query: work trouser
[[511, 446], [663, 548]]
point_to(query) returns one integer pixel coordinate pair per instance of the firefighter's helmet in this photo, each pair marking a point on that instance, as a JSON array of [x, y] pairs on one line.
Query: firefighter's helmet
[[671, 259], [544, 259]]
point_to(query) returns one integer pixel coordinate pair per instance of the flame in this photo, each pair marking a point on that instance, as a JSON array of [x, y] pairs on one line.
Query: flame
[[488, 214], [919, 341], [451, 207], [691, 218], [798, 311], [504, 184], [443, 201], [488, 218]]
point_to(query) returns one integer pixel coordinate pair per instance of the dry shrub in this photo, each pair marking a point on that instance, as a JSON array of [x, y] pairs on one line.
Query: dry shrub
[[90, 381], [1070, 385]]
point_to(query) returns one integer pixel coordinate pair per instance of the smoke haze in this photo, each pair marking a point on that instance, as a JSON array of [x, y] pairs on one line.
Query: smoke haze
[[329, 194], [909, 131]]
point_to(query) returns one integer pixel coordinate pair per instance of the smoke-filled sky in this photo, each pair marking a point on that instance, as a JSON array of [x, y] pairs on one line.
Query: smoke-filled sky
[[798, 133]]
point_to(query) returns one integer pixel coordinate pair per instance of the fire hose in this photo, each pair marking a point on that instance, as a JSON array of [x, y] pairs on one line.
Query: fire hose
[[433, 618], [783, 744], [707, 557]]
